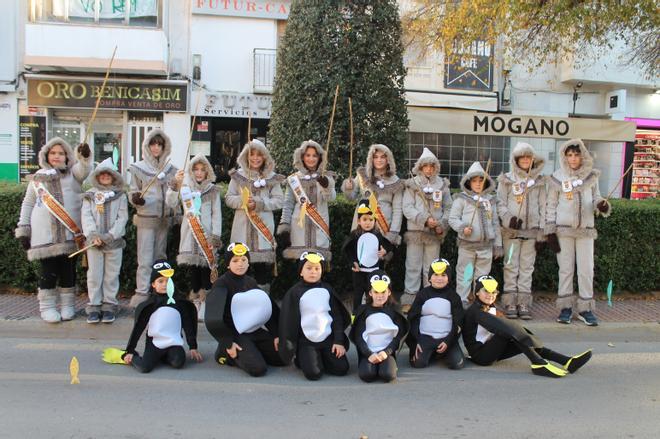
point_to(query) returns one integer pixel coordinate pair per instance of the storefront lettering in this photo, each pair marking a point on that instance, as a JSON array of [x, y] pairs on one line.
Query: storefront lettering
[[517, 125], [245, 8]]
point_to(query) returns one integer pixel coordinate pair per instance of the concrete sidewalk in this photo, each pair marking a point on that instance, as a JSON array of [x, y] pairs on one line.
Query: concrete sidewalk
[[644, 310]]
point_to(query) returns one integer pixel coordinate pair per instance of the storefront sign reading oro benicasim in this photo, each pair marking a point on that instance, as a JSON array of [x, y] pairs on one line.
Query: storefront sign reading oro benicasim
[[124, 95]]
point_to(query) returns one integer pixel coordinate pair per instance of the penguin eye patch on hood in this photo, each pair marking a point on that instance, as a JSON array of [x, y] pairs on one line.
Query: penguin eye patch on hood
[[313, 257], [380, 284], [488, 283], [238, 248], [439, 266]]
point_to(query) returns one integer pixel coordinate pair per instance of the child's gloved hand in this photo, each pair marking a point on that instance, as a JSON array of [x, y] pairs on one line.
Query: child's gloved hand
[[83, 150], [25, 242], [323, 181], [137, 199], [602, 206], [515, 223]]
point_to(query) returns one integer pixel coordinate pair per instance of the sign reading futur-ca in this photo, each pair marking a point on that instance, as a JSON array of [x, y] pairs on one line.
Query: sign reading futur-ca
[[273, 9], [472, 69], [82, 93]]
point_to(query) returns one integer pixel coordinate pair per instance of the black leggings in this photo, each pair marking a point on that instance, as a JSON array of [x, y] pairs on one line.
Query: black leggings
[[200, 278], [262, 272], [258, 352], [500, 348], [314, 361], [361, 286], [175, 356], [452, 356], [57, 268], [385, 370]]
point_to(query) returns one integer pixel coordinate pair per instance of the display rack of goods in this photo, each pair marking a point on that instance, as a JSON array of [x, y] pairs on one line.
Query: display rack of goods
[[646, 166]]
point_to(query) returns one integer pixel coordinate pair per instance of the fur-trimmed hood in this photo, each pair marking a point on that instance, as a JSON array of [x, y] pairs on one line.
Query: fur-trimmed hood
[[71, 158], [298, 154], [587, 160], [146, 152], [525, 149], [243, 159], [377, 147], [476, 170], [427, 158], [189, 178], [108, 167]]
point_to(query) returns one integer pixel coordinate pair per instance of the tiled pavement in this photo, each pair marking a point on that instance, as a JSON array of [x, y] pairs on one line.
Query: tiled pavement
[[21, 307]]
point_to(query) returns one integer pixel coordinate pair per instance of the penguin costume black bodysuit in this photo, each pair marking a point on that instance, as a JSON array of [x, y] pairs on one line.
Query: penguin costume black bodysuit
[[489, 338], [312, 322], [436, 317], [378, 329], [361, 250], [239, 312], [163, 317]]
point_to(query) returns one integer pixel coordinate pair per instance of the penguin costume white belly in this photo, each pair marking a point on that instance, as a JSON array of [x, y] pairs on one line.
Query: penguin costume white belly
[[250, 310], [379, 332], [367, 251], [315, 318], [164, 327], [483, 334], [436, 320]]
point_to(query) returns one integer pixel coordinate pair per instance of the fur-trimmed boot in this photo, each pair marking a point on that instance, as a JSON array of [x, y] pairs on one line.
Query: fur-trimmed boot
[[137, 299], [48, 306], [68, 303]]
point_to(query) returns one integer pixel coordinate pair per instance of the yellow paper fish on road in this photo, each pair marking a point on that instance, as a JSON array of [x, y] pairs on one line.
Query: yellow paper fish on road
[[74, 368]]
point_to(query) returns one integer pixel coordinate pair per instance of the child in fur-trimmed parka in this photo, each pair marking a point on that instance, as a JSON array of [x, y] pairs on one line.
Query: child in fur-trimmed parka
[[379, 177], [153, 218], [256, 174], [312, 188], [521, 197], [43, 236], [198, 181], [104, 217], [426, 205], [479, 239], [573, 201]]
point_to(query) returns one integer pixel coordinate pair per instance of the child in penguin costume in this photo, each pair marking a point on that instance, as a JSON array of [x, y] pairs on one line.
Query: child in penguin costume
[[164, 318], [490, 338], [378, 331], [242, 317], [479, 238], [104, 216], [313, 321], [366, 249], [436, 317]]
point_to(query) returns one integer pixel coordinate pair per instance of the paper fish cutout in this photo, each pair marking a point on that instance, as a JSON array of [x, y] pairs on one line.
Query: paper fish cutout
[[170, 292], [197, 204], [467, 274], [113, 355], [610, 285], [74, 368], [510, 254], [115, 157]]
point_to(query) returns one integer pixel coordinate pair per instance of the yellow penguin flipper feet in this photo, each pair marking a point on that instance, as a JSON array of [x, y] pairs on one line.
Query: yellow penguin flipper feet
[[548, 370], [74, 368], [577, 361], [113, 355]]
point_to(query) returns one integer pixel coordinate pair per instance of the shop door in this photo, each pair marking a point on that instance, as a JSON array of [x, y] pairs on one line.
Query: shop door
[[228, 138]]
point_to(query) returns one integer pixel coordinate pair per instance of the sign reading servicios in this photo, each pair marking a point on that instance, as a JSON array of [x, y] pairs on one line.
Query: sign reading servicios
[[124, 95]]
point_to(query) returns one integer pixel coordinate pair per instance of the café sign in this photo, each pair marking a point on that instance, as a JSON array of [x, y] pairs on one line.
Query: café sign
[[118, 94]]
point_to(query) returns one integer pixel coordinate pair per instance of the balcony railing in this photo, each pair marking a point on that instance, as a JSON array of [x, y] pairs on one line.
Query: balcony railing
[[264, 70]]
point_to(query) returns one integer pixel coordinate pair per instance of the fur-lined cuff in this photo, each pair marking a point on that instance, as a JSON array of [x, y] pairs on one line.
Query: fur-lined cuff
[[283, 228], [107, 238], [498, 252], [92, 236], [585, 305], [23, 232], [420, 220], [216, 241], [350, 193], [393, 237]]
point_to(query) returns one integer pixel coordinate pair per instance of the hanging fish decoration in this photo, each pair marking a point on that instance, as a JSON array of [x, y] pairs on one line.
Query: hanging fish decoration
[[468, 274], [510, 254], [610, 286], [197, 203], [170, 291], [115, 157]]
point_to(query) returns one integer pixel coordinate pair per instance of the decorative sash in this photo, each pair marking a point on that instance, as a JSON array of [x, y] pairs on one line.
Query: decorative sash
[[306, 207], [255, 219], [192, 216], [373, 205], [59, 212]]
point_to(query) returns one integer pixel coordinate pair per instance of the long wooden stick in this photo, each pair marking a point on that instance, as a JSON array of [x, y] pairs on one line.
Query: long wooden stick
[[154, 178], [249, 127], [84, 249], [476, 206], [192, 129], [98, 98], [332, 120], [350, 156], [529, 171], [619, 182]]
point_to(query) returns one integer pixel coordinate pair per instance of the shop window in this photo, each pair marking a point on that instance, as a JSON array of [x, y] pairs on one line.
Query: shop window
[[144, 13], [457, 152]]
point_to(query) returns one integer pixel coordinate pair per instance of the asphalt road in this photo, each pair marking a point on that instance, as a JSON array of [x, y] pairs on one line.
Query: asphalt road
[[617, 395]]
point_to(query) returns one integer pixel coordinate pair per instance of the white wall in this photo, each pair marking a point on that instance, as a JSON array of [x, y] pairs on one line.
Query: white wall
[[226, 45], [8, 43], [177, 126]]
